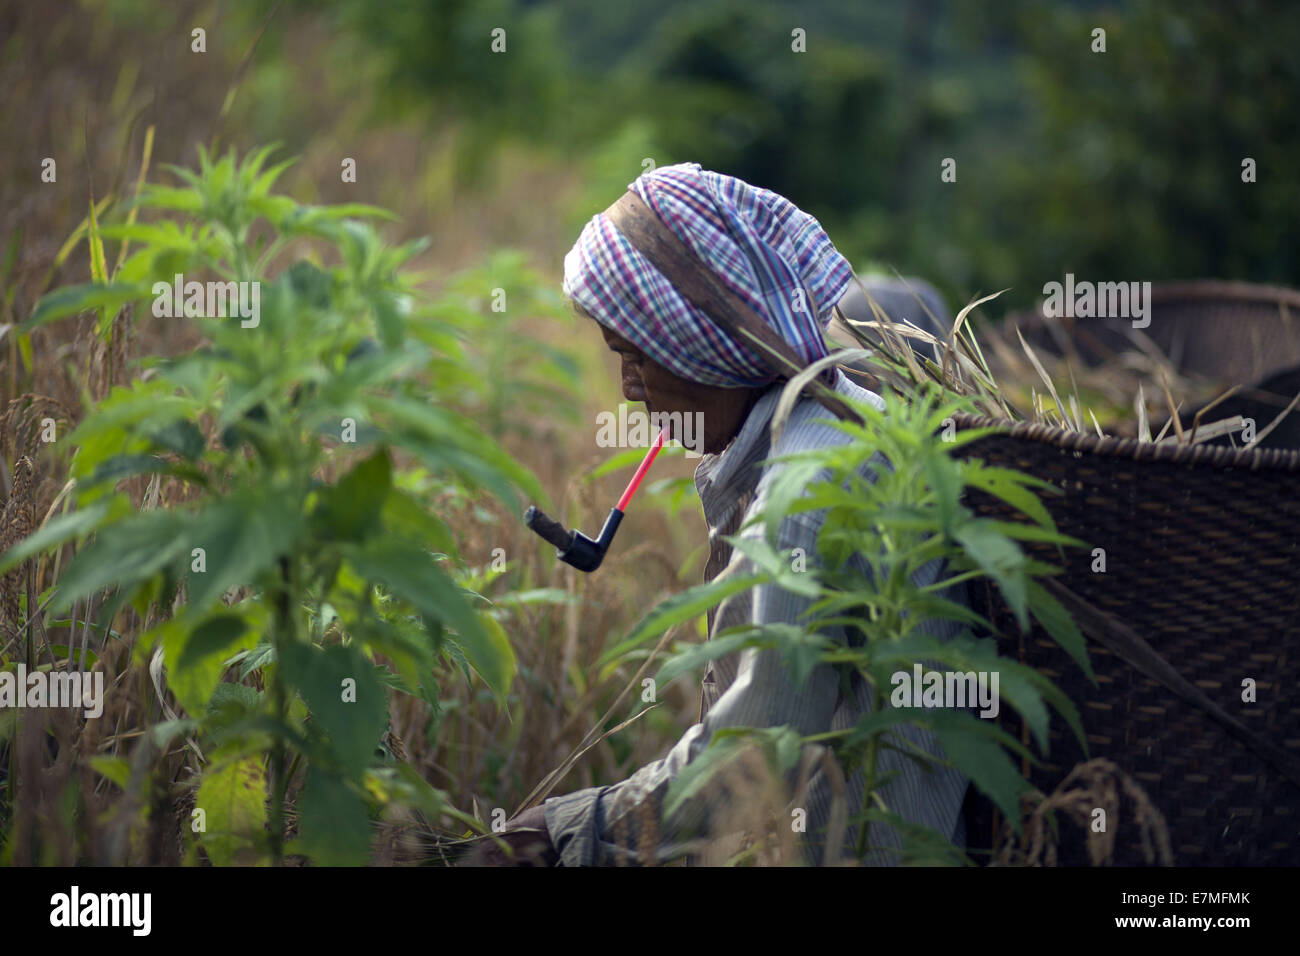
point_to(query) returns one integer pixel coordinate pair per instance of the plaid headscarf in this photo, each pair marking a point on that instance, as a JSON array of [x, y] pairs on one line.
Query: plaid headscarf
[[762, 246]]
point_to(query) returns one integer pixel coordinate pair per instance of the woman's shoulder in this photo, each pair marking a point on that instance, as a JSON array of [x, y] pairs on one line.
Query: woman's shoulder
[[808, 428], [809, 425]]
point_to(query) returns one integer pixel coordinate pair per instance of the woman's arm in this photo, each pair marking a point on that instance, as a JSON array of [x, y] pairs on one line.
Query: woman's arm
[[583, 824]]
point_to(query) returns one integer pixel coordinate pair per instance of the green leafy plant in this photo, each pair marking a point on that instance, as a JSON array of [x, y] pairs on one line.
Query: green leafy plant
[[892, 496], [299, 580], [513, 383]]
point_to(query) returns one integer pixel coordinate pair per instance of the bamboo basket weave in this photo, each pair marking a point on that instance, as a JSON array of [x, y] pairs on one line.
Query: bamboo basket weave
[[1202, 561]]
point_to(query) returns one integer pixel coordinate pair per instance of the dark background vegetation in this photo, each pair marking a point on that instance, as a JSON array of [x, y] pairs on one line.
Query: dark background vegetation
[[1120, 164]]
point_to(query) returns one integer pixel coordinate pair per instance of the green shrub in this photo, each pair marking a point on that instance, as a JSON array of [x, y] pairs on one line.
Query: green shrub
[[911, 515], [300, 580]]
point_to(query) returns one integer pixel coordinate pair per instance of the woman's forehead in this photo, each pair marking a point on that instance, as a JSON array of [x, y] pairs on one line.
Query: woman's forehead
[[612, 338], [617, 341]]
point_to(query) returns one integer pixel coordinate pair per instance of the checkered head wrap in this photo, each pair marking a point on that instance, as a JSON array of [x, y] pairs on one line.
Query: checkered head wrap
[[762, 246]]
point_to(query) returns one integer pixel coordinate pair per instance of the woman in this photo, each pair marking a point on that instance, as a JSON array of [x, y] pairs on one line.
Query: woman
[[676, 359]]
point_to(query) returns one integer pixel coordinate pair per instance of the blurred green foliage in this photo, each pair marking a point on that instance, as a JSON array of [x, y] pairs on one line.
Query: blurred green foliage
[[1125, 163]]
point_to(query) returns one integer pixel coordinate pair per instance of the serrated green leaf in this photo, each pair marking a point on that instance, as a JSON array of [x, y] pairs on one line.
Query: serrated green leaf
[[195, 656], [347, 702], [116, 769], [72, 300], [242, 536], [1010, 486], [232, 796], [680, 608], [998, 557], [1056, 620], [988, 767], [944, 478], [123, 554], [350, 509], [334, 828], [181, 436], [413, 575], [59, 530]]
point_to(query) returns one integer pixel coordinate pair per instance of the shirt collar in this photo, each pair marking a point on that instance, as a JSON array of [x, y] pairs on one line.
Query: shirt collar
[[723, 478]]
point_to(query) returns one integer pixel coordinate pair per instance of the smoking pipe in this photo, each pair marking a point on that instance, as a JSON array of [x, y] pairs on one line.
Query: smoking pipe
[[575, 548]]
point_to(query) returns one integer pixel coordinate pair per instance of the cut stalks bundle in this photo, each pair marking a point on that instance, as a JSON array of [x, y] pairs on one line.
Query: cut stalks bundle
[[1011, 380]]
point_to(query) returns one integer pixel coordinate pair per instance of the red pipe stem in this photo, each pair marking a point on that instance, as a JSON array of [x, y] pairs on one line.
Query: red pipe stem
[[642, 469]]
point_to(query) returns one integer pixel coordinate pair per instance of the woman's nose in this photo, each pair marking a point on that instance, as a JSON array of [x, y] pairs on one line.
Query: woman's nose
[[633, 387]]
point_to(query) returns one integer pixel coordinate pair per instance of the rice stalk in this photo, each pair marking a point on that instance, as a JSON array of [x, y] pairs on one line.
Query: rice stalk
[[1196, 420], [1042, 372], [962, 359], [1165, 427], [1074, 404], [139, 185], [1096, 784], [1277, 421], [1140, 406], [1213, 430], [15, 526], [1173, 409]]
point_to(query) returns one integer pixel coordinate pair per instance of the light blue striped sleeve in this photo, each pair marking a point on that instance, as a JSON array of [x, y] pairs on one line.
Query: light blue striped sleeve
[[603, 826]]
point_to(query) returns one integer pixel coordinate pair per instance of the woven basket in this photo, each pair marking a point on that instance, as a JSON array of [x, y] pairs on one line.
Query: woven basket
[[1202, 561]]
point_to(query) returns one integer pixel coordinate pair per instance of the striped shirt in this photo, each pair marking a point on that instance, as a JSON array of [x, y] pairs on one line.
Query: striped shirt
[[623, 823]]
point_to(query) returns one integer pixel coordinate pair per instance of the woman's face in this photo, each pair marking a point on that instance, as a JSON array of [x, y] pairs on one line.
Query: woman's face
[[645, 380]]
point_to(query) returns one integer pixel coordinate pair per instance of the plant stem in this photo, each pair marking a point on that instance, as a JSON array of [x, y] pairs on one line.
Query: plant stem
[[283, 635], [873, 749]]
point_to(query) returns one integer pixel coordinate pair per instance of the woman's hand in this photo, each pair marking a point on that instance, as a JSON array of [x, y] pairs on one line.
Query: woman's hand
[[528, 841]]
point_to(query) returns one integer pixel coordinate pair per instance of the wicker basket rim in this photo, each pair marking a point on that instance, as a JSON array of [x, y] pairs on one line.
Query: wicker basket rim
[[1208, 290], [1202, 455], [1225, 290]]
